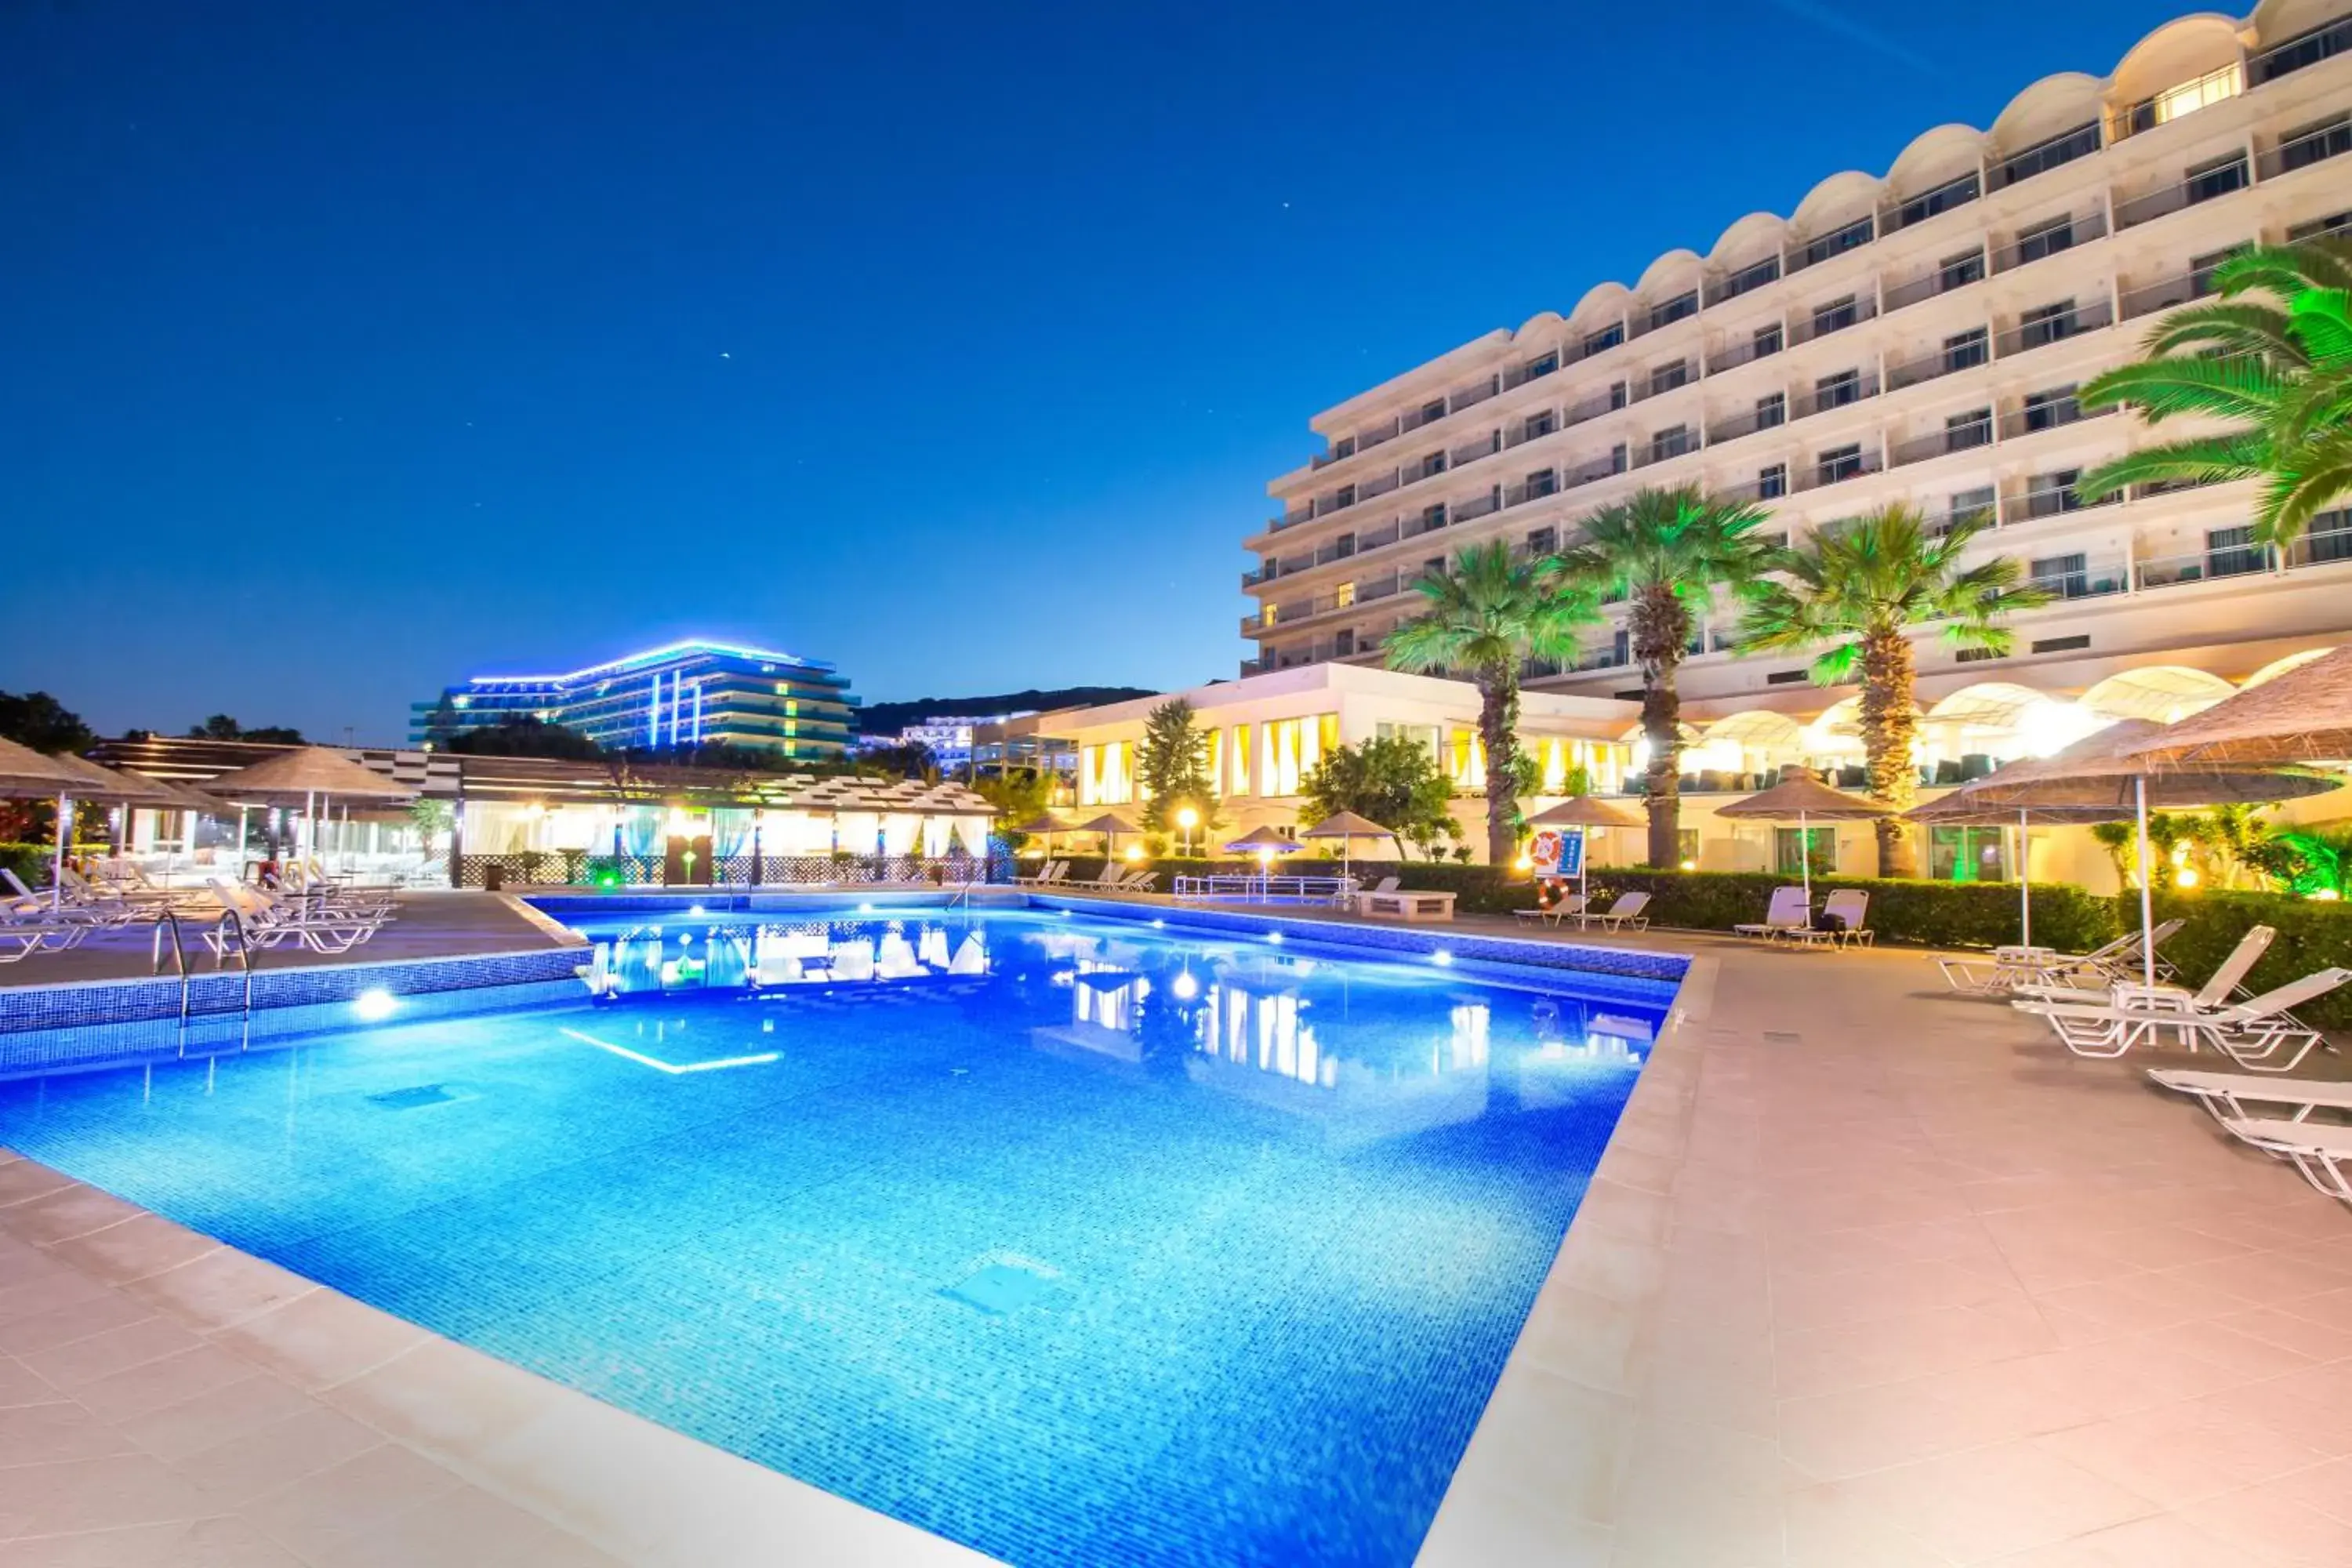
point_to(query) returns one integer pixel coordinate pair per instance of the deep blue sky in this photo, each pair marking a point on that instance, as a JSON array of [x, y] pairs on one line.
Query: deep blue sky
[[350, 348]]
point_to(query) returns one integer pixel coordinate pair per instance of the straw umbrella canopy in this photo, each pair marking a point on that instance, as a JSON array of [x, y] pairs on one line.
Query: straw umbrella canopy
[[102, 786], [1347, 827], [1960, 809], [2302, 716], [2104, 770], [26, 774], [1042, 828], [1802, 797], [1264, 844], [307, 775], [1584, 813], [68, 779]]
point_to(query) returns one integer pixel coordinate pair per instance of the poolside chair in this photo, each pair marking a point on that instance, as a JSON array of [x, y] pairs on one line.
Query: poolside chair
[[1567, 904], [1845, 916], [1043, 875], [1788, 912], [2009, 969], [29, 928], [2228, 1094], [1137, 882], [2253, 1033], [1627, 912], [2322, 1152]]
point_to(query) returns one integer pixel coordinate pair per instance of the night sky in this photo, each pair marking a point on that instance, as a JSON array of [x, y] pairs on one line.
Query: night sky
[[349, 348]]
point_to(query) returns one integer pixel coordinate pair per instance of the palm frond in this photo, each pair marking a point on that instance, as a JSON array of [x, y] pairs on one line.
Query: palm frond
[[2236, 387], [2200, 460], [2236, 327], [2323, 480]]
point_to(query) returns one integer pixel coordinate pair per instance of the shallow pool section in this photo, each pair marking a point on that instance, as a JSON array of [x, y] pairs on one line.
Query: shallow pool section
[[1079, 1242]]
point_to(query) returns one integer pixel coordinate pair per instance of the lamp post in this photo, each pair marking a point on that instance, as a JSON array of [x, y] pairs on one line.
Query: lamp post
[[1187, 818]]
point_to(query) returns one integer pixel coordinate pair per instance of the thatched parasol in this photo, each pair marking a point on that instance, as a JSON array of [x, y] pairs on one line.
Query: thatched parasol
[[2103, 770], [1584, 813], [1347, 827], [1801, 797], [2302, 716], [26, 774], [1959, 809], [1110, 825], [307, 774]]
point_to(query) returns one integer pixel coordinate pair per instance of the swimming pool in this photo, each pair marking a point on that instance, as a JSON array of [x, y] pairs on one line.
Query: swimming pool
[[1074, 1240]]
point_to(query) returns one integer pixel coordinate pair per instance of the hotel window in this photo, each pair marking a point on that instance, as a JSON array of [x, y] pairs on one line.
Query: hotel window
[[1837, 390], [1959, 271], [2327, 139], [1542, 364], [2201, 268], [1433, 465], [1344, 448], [1675, 310], [1968, 854], [1839, 463], [1835, 316], [1465, 759], [2048, 410], [1538, 425], [1241, 752], [1616, 394], [1973, 429], [1606, 338], [1771, 409], [1432, 412], [2217, 178], [1542, 540], [1964, 351], [2064, 575], [1343, 596], [1968, 503], [1788, 845], [1433, 516], [1213, 756], [1766, 340], [2045, 324], [1671, 443], [1666, 377], [1290, 749], [1106, 774], [1687, 844], [2231, 552], [1541, 483], [1267, 615], [1428, 737], [2047, 495], [1773, 482], [2045, 239], [2329, 536]]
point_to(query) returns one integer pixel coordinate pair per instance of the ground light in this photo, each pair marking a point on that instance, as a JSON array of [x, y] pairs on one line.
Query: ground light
[[1690, 864], [373, 1006]]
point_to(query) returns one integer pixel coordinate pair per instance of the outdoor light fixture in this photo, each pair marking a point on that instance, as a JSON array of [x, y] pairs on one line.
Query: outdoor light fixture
[[2185, 877], [1184, 986], [373, 1006], [1135, 852], [1690, 864], [1187, 819], [1524, 863]]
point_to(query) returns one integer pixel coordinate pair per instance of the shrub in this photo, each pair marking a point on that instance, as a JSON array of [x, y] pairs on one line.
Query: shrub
[[29, 862]]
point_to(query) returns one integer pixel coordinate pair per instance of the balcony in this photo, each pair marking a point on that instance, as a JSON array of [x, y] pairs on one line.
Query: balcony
[[1531, 370], [1470, 396], [1770, 417], [1965, 436], [2328, 540], [1948, 361], [2185, 98], [2314, 145], [1379, 485], [1291, 519], [1940, 524], [1941, 279], [2044, 331], [2201, 186], [1836, 394], [1837, 242], [1944, 198], [2036, 417], [2170, 571], [1372, 539], [1683, 307], [1678, 442], [2077, 577], [1745, 280], [2043, 497], [1662, 380], [2303, 49], [2046, 156], [1535, 487], [1597, 468], [1605, 401], [1485, 446], [1834, 468], [1824, 320], [2048, 240], [2150, 298], [1478, 506], [1759, 345], [1531, 430]]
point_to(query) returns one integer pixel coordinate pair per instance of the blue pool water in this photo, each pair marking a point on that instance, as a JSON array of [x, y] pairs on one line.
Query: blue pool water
[[1078, 1242]]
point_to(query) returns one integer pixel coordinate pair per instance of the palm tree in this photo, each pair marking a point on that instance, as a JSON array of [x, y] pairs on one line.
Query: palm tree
[[2280, 370], [1860, 585], [1486, 617], [1666, 552]]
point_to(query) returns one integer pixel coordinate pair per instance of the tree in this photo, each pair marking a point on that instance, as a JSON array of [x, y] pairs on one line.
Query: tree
[[2314, 861], [901, 759], [1389, 780], [1665, 553], [524, 735], [431, 818], [221, 727], [1172, 767], [2272, 355], [1861, 586], [37, 720], [1486, 618], [1019, 795]]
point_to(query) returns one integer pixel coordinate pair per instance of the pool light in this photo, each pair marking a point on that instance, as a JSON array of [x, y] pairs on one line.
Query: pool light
[[1275, 937], [694, 909], [1442, 958], [373, 1006]]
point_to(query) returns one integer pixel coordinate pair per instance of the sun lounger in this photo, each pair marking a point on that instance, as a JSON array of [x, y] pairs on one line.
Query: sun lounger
[[1845, 916], [1788, 912], [1137, 881], [1562, 909], [2322, 1152], [2228, 1094], [1626, 912], [2254, 1033], [2011, 969], [1046, 875]]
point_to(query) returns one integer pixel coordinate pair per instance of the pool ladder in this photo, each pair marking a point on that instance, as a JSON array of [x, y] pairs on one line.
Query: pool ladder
[[235, 921]]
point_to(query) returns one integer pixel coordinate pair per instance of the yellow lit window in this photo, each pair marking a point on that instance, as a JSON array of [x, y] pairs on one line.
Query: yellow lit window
[[1346, 596], [1265, 615], [1241, 759]]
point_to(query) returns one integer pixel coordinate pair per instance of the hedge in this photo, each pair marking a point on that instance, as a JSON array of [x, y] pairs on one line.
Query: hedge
[[29, 862], [2311, 933]]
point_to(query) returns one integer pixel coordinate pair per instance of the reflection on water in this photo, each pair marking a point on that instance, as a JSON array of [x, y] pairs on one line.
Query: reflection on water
[[719, 956]]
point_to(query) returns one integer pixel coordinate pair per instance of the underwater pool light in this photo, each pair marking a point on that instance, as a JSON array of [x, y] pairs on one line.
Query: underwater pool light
[[1442, 958], [375, 1005]]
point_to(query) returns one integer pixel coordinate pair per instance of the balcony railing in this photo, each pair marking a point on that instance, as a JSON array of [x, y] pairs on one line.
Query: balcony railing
[[1733, 285], [1677, 444], [1940, 524], [2183, 97], [1531, 430], [2187, 193], [1833, 471], [1378, 485], [2150, 298], [1535, 487], [1478, 506], [1433, 519], [1485, 446], [1951, 194], [1655, 386], [1837, 242], [2324, 545], [1746, 351], [1961, 437], [1941, 279], [2316, 145], [2302, 49], [1588, 472], [1822, 322], [1863, 385], [1530, 369], [2027, 248], [1943, 362], [1292, 518], [1606, 400], [2039, 500], [2037, 418], [2089, 580], [2046, 156], [2230, 561], [1372, 539], [1747, 423], [1658, 318], [2048, 330]]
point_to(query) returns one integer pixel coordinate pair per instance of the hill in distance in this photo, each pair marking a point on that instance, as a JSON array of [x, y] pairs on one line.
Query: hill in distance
[[889, 717]]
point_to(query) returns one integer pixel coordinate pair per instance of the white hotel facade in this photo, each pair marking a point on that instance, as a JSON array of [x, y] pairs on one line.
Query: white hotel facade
[[1914, 336]]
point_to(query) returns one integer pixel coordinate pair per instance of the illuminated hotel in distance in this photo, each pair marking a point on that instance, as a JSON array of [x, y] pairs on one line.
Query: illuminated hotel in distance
[[685, 695]]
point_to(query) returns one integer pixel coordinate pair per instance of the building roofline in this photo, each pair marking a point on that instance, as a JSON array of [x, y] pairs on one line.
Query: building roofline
[[651, 656]]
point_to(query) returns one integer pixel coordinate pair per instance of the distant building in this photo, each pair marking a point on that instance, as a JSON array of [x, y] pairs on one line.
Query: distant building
[[685, 695]]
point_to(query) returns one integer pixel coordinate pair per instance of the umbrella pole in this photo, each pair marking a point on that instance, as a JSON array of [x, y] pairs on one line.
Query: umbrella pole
[[1584, 872], [57, 862], [2147, 891], [1805, 860], [2024, 884]]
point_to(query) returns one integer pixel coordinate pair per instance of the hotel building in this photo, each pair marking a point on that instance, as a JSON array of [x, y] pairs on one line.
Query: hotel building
[[1915, 337], [682, 696]]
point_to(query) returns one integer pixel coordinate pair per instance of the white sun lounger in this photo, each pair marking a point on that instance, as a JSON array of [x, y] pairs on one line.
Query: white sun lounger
[[2013, 968], [2228, 1094], [2322, 1152], [2253, 1033], [1567, 905], [1789, 911], [1626, 912]]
